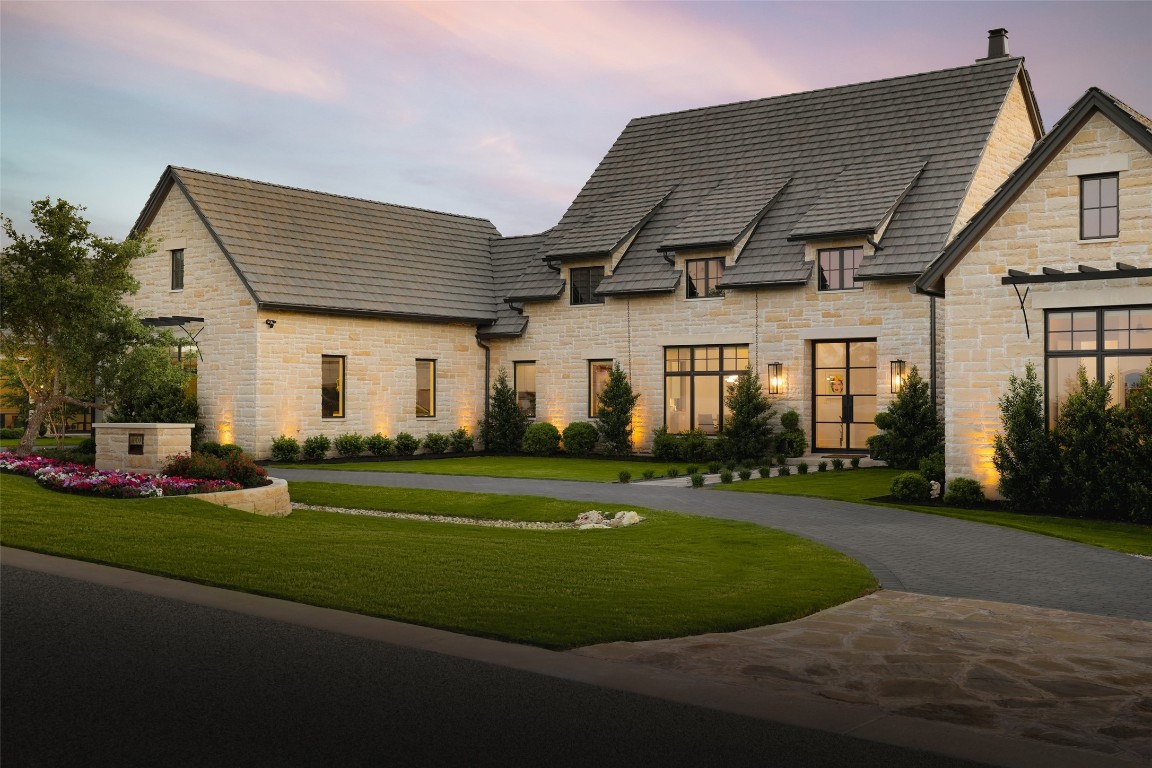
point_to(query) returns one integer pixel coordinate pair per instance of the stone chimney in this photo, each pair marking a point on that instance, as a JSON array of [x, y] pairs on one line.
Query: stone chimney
[[997, 44]]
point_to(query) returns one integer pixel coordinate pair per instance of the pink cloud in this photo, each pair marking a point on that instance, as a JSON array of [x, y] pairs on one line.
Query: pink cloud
[[198, 38]]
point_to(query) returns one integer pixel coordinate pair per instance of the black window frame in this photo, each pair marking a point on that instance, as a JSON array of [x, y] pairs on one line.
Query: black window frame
[[1099, 351], [432, 387], [341, 391], [176, 269], [1085, 210], [692, 374], [691, 284], [823, 283], [529, 411], [582, 287]]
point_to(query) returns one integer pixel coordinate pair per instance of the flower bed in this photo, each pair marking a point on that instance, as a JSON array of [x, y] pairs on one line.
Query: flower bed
[[80, 478]]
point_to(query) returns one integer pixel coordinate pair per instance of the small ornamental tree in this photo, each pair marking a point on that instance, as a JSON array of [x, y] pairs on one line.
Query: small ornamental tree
[[149, 387], [502, 428], [614, 416], [1086, 434], [747, 430], [1024, 453], [1136, 456], [912, 430]]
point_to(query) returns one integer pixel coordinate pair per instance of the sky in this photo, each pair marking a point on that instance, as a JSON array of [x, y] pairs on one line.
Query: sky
[[492, 109]]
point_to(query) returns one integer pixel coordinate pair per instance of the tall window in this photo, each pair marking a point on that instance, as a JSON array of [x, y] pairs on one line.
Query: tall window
[[703, 274], [425, 387], [1105, 342], [695, 379], [838, 268], [524, 379], [1099, 206], [598, 372], [332, 386], [177, 269], [187, 355], [584, 281]]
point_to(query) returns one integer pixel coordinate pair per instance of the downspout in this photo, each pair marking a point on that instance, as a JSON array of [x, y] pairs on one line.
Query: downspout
[[932, 346], [487, 371]]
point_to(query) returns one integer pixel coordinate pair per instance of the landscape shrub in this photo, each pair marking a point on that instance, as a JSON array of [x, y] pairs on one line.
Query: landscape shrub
[[765, 470], [911, 487], [541, 439], [406, 444], [614, 414], [503, 426], [666, 446], [1024, 452], [697, 480], [379, 445], [285, 448], [822, 466], [316, 447], [802, 468], [349, 444], [580, 438], [792, 441], [649, 474], [11, 433], [964, 492], [783, 470], [714, 467], [932, 467], [461, 440], [748, 431], [672, 472], [435, 442], [195, 466], [855, 462], [745, 474], [837, 464], [242, 470], [696, 446], [726, 476], [210, 448], [691, 469], [625, 476], [911, 429]]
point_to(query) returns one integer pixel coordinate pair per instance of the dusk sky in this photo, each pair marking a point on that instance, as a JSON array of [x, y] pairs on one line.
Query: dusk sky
[[497, 110]]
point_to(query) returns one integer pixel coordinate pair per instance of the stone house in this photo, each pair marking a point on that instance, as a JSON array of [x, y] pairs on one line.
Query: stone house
[[1055, 271], [787, 234]]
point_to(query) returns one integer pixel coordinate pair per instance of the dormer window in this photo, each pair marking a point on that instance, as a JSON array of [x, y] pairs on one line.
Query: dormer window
[[1099, 206], [838, 268], [703, 274], [584, 281]]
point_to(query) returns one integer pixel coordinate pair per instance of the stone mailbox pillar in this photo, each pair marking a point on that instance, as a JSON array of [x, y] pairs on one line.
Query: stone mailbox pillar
[[140, 447]]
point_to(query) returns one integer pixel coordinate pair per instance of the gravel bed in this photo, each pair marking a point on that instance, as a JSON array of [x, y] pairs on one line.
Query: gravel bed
[[439, 518]]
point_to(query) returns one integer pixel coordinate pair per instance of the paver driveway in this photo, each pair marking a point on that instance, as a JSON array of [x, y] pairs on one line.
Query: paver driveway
[[909, 551]]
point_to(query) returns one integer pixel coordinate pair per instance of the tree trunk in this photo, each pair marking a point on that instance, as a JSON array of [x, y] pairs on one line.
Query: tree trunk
[[32, 428]]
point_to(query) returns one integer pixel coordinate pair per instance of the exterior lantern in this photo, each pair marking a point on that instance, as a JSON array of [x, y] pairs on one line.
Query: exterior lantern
[[775, 378], [897, 375]]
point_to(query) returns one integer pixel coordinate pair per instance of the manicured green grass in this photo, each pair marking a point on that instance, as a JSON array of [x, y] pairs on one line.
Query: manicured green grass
[[864, 484], [534, 467], [672, 575], [43, 442]]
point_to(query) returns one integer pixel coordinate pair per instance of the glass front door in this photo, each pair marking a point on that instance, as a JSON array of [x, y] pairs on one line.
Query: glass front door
[[844, 394]]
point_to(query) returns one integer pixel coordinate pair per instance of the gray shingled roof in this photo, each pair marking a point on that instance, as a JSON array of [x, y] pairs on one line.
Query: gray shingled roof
[[607, 223], [313, 251], [509, 255], [937, 122]]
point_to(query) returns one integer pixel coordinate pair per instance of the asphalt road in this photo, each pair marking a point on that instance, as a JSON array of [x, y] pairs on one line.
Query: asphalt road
[[94, 675], [909, 551]]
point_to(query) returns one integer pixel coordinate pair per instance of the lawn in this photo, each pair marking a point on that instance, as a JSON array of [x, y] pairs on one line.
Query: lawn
[[43, 442], [672, 575], [533, 467], [865, 484]]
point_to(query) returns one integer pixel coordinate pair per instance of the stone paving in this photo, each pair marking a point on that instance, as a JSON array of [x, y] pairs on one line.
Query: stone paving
[[1055, 676]]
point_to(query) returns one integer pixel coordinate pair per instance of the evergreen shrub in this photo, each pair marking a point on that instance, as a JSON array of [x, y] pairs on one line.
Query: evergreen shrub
[[911, 429], [436, 442], [964, 492], [406, 444], [911, 487], [580, 438], [316, 447], [541, 439], [349, 444], [379, 445], [285, 448], [461, 441]]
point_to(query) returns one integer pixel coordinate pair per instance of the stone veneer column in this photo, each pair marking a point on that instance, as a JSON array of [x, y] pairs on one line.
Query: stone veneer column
[[159, 442]]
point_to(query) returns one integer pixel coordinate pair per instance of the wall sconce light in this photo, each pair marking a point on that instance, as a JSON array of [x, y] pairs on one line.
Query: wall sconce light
[[775, 378], [897, 375], [270, 323]]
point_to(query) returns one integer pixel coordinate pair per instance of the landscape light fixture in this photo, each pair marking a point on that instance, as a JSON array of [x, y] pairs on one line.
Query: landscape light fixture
[[897, 375], [775, 378]]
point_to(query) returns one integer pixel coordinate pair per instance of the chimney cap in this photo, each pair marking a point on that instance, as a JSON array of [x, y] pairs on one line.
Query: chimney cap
[[997, 44]]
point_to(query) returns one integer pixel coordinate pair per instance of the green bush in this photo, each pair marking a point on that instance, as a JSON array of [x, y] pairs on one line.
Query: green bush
[[666, 446], [406, 444], [349, 444], [792, 441], [86, 446], [697, 480], [649, 474], [691, 469], [911, 429], [748, 431], [672, 472], [726, 476], [745, 474], [11, 433], [503, 426], [822, 466], [316, 447], [837, 464], [765, 470], [580, 438], [285, 448], [855, 462], [379, 445], [697, 446], [714, 467], [435, 442], [541, 439], [614, 414], [461, 440], [911, 487], [932, 467], [781, 459], [210, 448], [243, 470], [802, 468], [195, 466], [783, 470], [964, 492], [625, 476], [1024, 453]]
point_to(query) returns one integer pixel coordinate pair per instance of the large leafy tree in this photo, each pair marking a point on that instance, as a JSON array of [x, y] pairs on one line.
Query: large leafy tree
[[63, 324]]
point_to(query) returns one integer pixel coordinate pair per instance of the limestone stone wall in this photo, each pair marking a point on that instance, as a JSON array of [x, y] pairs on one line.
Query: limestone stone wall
[[778, 324], [266, 500], [226, 381], [985, 327], [159, 442]]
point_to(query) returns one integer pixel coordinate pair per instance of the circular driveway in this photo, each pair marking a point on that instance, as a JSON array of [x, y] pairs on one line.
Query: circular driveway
[[910, 551]]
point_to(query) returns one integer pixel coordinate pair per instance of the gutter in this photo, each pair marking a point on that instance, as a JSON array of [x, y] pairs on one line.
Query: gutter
[[487, 371]]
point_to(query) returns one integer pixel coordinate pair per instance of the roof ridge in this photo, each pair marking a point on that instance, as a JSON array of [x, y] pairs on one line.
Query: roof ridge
[[519, 237], [880, 81], [332, 194]]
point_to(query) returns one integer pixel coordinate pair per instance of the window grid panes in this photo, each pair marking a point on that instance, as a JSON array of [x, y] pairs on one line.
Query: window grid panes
[[703, 274], [332, 386], [838, 266], [1114, 342], [426, 388], [584, 281], [695, 380], [524, 380], [177, 261], [598, 372], [1099, 206]]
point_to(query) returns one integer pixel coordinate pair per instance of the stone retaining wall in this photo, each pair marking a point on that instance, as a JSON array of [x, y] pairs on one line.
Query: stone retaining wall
[[268, 500]]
